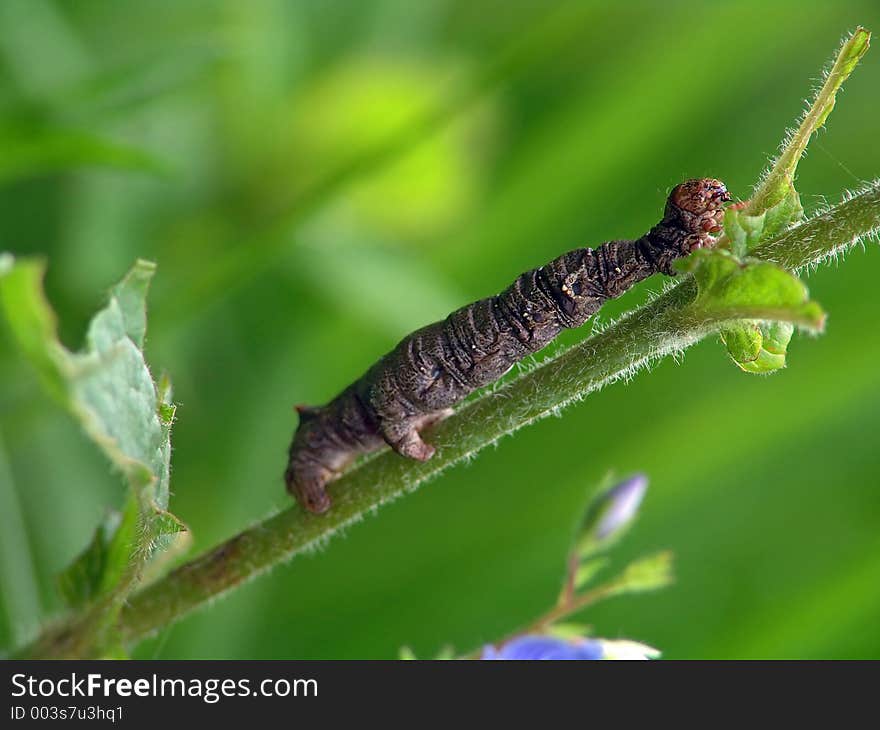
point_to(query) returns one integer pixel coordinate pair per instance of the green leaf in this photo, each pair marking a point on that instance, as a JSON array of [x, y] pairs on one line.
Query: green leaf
[[745, 231], [743, 341], [749, 289], [130, 295], [768, 300], [784, 214], [742, 230], [775, 204], [167, 523], [101, 566], [645, 574], [108, 388], [761, 347], [758, 347], [33, 325]]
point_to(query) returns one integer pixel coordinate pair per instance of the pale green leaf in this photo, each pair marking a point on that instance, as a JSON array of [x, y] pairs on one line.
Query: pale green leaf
[[108, 387], [750, 289], [745, 231], [645, 574], [758, 347]]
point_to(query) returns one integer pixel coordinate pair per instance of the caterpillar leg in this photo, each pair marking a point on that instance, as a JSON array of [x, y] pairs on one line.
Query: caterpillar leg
[[403, 436], [307, 483], [406, 441]]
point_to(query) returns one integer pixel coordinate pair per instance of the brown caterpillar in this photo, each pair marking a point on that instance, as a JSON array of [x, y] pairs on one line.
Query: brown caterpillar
[[437, 366]]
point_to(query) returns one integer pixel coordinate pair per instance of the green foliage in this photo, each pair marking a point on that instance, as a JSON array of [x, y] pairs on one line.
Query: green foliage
[[645, 574], [729, 289], [778, 184], [108, 388], [761, 347], [776, 299], [101, 567], [576, 150], [758, 347], [607, 518], [745, 231], [726, 289], [107, 385]]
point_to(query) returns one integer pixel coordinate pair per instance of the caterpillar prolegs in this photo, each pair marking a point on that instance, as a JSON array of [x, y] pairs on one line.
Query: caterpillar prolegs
[[437, 366]]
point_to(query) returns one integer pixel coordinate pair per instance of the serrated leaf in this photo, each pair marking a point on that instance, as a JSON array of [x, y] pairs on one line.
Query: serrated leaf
[[167, 524], [171, 548], [131, 296], [108, 387], [750, 289], [167, 409]]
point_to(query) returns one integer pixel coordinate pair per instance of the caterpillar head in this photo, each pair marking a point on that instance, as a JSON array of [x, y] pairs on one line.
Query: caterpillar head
[[697, 208]]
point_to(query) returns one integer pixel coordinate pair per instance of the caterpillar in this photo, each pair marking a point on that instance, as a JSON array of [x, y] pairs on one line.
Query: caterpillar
[[437, 366]]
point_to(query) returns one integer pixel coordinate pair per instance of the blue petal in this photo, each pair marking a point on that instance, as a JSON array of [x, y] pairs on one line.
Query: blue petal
[[544, 648], [589, 650]]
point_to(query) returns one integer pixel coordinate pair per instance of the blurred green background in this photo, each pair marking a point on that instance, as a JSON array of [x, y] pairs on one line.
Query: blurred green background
[[316, 179]]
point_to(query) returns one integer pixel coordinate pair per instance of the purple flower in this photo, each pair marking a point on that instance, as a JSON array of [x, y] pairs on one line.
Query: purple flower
[[611, 512], [621, 505], [535, 646], [545, 647]]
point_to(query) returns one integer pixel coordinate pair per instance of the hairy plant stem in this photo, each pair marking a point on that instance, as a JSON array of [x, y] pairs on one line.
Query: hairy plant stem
[[666, 325], [780, 178]]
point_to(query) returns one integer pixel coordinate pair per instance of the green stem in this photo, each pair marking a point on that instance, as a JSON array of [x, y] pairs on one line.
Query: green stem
[[663, 326], [563, 609], [780, 178]]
